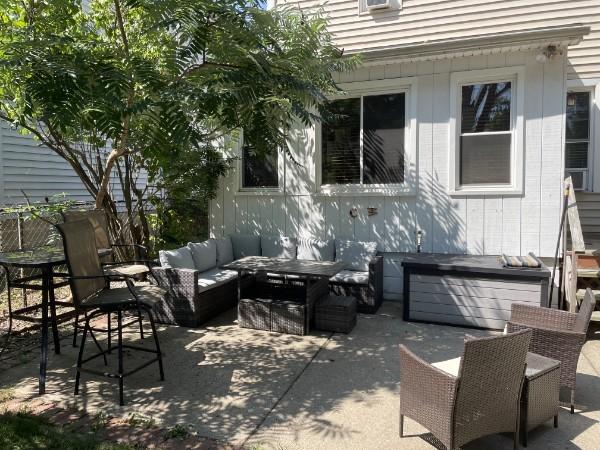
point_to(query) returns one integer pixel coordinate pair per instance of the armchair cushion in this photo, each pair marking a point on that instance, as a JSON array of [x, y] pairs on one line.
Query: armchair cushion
[[351, 277], [224, 251], [356, 255], [278, 247], [245, 245], [204, 254], [450, 366], [315, 250], [214, 277], [180, 258]]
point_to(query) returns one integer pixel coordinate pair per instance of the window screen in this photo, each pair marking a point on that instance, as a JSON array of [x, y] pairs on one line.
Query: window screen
[[260, 171], [578, 130], [381, 149], [486, 135]]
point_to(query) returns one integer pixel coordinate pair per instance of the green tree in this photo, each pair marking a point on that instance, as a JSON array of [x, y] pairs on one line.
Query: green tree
[[120, 88]]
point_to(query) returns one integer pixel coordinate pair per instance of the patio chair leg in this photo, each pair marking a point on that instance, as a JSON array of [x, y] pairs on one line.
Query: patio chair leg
[[109, 331], [75, 329], [516, 440], [141, 324], [556, 421], [158, 352], [120, 344], [401, 425], [572, 401], [80, 356]]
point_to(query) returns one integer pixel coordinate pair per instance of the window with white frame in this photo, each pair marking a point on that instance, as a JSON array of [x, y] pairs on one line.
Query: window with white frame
[[486, 132], [363, 141], [259, 171], [577, 144]]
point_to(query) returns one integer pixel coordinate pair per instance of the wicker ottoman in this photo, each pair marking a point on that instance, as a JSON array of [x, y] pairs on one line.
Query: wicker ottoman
[[335, 313], [539, 400], [255, 313], [289, 317]]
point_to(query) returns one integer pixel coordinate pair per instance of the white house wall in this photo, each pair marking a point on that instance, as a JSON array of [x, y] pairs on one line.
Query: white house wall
[[486, 224], [25, 166], [427, 20]]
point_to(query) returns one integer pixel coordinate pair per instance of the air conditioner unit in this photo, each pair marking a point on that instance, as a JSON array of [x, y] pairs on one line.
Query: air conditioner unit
[[579, 178], [377, 4]]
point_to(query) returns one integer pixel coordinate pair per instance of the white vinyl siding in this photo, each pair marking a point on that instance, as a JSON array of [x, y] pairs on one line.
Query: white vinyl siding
[[428, 20], [38, 171]]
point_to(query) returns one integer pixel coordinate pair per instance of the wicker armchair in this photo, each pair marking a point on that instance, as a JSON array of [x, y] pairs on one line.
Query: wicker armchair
[[482, 399], [368, 296], [556, 334]]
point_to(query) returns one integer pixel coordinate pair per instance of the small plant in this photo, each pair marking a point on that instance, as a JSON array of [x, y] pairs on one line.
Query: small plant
[[136, 420], [6, 394], [177, 432], [99, 421]]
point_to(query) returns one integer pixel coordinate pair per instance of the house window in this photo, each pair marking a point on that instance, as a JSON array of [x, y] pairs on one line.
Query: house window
[[259, 171], [363, 141], [578, 137], [485, 134]]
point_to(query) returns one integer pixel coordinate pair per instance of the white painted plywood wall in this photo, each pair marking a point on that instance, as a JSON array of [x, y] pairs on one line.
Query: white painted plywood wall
[[486, 224]]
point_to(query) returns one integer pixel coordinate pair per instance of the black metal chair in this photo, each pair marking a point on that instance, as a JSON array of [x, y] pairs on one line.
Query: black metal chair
[[138, 267], [93, 297]]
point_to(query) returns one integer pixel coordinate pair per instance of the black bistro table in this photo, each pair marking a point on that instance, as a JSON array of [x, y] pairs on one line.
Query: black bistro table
[[45, 260]]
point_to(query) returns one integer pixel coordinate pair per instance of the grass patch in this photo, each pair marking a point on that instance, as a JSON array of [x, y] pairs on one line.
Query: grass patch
[[6, 394], [23, 431], [177, 432]]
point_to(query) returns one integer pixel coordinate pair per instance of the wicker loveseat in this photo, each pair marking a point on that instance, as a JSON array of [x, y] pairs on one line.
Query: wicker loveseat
[[198, 289]]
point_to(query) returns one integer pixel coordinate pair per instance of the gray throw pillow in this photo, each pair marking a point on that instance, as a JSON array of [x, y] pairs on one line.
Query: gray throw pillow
[[204, 254], [180, 258], [224, 251], [315, 250], [245, 245], [356, 255], [278, 247]]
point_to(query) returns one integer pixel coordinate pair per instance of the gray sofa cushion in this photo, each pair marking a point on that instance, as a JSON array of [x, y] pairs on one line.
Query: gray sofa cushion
[[180, 258], [351, 277], [224, 251], [315, 250], [356, 255], [214, 277], [245, 245], [204, 254], [278, 247]]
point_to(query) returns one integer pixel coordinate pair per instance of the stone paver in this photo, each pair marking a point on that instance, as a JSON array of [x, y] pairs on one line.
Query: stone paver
[[258, 389]]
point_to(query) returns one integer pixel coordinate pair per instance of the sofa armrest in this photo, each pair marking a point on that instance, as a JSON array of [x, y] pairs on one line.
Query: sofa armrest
[[376, 277], [179, 282]]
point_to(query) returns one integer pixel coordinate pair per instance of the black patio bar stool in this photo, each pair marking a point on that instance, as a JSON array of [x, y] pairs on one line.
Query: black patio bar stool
[[93, 297], [138, 267]]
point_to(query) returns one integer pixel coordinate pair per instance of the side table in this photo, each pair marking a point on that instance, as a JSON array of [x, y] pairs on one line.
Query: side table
[[539, 399]]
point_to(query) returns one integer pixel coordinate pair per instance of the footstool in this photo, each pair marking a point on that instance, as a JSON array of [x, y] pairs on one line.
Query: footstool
[[335, 313], [539, 399]]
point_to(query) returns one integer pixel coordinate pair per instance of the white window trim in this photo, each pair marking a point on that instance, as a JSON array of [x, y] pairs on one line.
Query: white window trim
[[394, 5], [407, 86], [253, 191], [593, 87], [516, 75]]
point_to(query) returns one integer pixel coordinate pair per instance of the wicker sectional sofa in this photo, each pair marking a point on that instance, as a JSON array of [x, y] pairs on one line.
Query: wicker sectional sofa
[[198, 290]]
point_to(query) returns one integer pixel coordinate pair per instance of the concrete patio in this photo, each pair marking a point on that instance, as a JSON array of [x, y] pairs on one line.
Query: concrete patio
[[323, 391]]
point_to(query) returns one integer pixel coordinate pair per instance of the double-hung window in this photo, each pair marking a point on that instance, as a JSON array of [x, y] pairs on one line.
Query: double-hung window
[[363, 142], [486, 134], [578, 137]]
